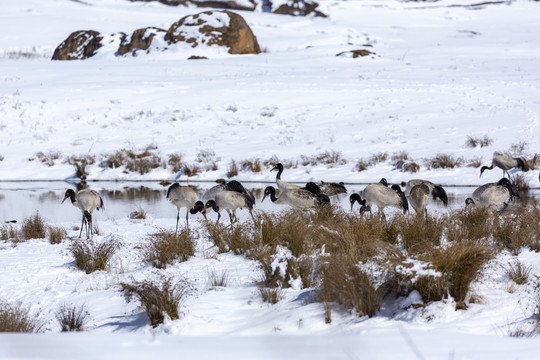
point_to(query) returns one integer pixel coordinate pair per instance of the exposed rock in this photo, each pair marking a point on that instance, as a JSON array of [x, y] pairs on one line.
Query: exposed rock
[[141, 39], [229, 5], [299, 8], [195, 57], [79, 45], [221, 28], [246, 5], [356, 53]]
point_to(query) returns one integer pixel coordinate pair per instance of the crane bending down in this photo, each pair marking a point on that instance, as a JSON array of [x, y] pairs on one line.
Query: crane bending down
[[230, 201], [504, 162], [87, 201], [184, 196]]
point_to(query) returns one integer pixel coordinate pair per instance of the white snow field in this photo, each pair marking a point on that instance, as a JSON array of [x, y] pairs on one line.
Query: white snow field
[[442, 71]]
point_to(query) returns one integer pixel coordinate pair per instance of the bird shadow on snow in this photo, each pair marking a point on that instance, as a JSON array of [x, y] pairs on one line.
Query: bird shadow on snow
[[129, 324]]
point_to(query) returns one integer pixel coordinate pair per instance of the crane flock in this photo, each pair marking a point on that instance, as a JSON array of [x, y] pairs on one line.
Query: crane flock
[[232, 195]]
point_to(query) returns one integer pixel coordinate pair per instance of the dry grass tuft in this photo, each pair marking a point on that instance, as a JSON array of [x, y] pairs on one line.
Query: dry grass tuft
[[253, 165], [9, 232], [56, 234], [207, 159], [158, 298], [444, 161], [175, 161], [142, 161], [270, 295], [218, 279], [232, 171], [459, 265], [92, 256], [343, 282], [518, 272], [166, 247], [191, 170], [419, 233], [72, 318], [239, 239], [329, 158], [521, 183], [49, 158], [469, 224], [34, 227], [138, 214], [482, 141], [517, 231], [80, 162], [17, 318]]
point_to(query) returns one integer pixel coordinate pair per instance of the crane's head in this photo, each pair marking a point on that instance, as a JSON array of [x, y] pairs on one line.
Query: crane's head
[[69, 194]]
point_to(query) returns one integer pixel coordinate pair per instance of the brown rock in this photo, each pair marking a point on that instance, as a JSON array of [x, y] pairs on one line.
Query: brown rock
[[299, 8], [140, 39], [78, 46], [201, 29], [356, 53]]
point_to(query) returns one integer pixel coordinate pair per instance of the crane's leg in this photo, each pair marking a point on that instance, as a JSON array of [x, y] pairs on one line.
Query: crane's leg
[[230, 216], [82, 224], [187, 221], [218, 216], [91, 229], [177, 219], [250, 213]]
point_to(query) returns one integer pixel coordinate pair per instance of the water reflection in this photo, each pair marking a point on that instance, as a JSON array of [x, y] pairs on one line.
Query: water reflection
[[21, 200]]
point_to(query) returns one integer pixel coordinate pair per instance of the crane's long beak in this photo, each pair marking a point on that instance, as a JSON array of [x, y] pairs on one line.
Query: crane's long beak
[[65, 197], [264, 197]]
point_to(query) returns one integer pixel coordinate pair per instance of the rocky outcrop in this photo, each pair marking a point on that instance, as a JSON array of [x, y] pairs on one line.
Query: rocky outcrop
[[141, 39], [299, 8], [208, 29], [78, 46], [221, 28]]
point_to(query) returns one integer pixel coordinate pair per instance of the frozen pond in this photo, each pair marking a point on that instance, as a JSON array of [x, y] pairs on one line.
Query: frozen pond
[[19, 200]]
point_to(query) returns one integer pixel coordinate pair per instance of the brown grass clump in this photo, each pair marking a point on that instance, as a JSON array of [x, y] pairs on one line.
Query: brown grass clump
[[521, 183], [138, 214], [175, 161], [166, 247], [533, 163], [17, 318], [49, 158], [444, 161], [191, 170], [459, 265], [91, 256], [232, 171], [142, 161], [419, 233], [482, 141], [516, 232], [270, 295], [72, 318], [518, 272], [80, 162], [158, 298], [218, 279], [9, 232], [343, 282], [469, 223], [238, 239], [329, 158], [208, 160], [302, 268], [56, 234], [34, 227], [253, 165]]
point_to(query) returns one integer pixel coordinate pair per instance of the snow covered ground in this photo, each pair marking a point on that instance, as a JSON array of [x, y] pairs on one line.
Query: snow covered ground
[[443, 71]]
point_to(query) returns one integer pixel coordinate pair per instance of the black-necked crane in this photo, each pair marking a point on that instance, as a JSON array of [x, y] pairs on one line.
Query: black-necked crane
[[230, 201], [382, 196], [183, 196], [504, 162], [223, 185], [87, 201], [332, 188], [282, 185], [436, 191], [299, 199], [419, 197], [493, 195]]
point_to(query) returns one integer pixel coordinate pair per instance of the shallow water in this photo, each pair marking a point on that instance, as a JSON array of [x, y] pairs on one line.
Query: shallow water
[[19, 200]]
